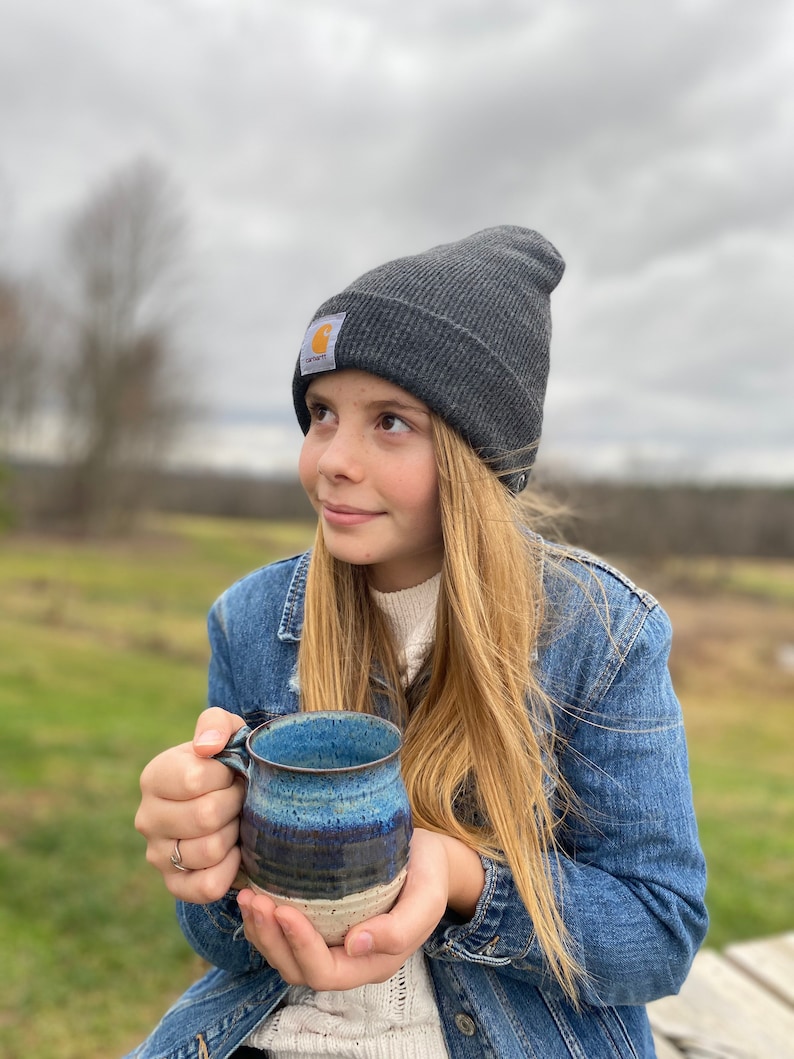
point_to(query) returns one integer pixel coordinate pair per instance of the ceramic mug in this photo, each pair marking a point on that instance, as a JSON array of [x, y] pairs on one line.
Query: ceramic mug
[[326, 822]]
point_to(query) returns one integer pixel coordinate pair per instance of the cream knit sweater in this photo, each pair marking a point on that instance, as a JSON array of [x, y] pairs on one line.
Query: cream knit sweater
[[397, 1019]]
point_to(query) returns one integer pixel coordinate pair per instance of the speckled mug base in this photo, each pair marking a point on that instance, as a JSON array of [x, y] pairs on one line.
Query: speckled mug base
[[333, 919]]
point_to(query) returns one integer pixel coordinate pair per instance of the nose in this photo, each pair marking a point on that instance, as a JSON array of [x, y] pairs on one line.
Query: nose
[[342, 457]]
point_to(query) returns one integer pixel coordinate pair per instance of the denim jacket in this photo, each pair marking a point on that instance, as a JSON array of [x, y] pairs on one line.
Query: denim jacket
[[631, 872]]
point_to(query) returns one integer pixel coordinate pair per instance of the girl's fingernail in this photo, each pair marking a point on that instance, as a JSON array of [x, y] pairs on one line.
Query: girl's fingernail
[[361, 945], [209, 738]]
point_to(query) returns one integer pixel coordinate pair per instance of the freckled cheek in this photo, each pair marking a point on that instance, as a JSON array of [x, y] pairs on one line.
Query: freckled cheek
[[424, 504]]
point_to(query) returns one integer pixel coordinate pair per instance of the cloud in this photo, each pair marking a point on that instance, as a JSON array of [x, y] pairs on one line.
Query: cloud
[[651, 143]]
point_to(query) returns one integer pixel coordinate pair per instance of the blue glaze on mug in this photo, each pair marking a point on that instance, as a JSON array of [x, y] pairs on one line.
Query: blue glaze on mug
[[326, 813]]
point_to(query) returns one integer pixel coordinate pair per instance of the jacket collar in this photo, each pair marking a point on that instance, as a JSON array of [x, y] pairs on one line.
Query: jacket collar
[[292, 618], [291, 625]]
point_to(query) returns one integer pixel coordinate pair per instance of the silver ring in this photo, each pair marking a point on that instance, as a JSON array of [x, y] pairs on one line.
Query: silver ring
[[176, 858]]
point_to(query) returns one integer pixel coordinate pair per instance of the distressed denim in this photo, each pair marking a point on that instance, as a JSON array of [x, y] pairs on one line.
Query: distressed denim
[[631, 872]]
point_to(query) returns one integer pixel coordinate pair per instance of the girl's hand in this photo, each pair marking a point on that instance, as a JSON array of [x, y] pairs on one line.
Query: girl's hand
[[441, 871], [197, 801]]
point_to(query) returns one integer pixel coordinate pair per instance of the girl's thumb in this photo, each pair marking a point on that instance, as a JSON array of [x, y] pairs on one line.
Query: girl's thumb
[[361, 944]]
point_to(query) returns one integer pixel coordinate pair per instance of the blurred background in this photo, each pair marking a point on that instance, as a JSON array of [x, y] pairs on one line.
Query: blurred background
[[182, 183]]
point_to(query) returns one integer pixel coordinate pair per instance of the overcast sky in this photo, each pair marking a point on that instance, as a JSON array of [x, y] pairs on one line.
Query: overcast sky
[[652, 143]]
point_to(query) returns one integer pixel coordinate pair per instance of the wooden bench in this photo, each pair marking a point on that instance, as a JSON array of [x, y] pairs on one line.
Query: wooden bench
[[735, 1005]]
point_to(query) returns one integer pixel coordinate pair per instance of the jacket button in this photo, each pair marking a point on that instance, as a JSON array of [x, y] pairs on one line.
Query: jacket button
[[465, 1024]]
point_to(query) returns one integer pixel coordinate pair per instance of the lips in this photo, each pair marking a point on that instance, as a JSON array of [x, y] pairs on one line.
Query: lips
[[343, 515]]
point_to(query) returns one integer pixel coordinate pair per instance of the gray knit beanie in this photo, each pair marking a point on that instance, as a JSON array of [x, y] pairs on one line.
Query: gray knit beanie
[[465, 327]]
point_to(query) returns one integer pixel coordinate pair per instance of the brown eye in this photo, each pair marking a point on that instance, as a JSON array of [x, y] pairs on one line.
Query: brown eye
[[320, 413], [392, 424]]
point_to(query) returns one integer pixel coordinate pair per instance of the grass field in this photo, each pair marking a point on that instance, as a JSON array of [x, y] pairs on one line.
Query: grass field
[[102, 663]]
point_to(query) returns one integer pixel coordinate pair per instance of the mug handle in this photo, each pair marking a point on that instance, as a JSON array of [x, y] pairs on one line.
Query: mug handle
[[235, 754]]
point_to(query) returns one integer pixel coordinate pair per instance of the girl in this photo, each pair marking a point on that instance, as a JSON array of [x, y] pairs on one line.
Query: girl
[[555, 881]]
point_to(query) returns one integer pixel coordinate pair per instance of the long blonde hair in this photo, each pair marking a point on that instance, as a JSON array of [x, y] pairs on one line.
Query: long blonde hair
[[478, 757]]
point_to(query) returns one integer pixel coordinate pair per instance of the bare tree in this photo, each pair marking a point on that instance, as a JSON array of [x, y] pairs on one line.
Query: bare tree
[[125, 397], [21, 360]]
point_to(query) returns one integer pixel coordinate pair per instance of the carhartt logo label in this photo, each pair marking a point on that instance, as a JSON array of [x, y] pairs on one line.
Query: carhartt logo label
[[319, 342]]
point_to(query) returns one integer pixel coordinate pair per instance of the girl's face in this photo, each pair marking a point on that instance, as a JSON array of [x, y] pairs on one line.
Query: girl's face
[[369, 468]]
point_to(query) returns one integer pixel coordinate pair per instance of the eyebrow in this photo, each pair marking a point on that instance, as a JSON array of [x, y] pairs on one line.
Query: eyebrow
[[406, 406], [396, 404]]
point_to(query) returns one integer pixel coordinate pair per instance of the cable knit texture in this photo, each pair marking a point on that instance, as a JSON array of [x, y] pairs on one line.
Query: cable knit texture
[[397, 1019], [411, 615]]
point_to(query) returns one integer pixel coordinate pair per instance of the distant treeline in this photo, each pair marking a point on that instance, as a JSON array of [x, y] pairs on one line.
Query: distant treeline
[[631, 519], [636, 519]]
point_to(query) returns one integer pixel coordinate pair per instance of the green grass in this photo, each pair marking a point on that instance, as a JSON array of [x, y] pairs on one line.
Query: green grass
[[102, 665], [767, 580], [733, 624]]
